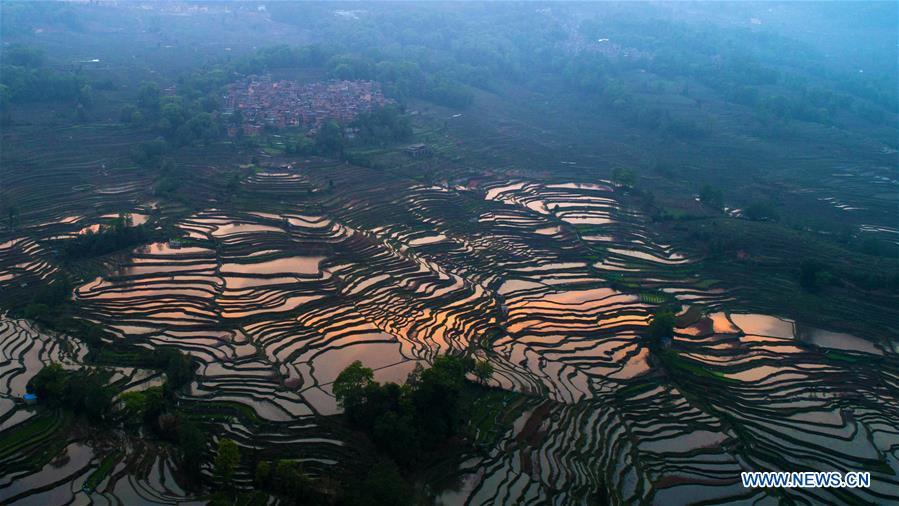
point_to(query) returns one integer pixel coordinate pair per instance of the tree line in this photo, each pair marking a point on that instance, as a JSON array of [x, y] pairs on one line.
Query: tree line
[[407, 423], [401, 78], [119, 235], [25, 77], [182, 118]]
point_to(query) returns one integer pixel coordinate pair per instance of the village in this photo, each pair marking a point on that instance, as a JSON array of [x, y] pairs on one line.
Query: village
[[257, 102]]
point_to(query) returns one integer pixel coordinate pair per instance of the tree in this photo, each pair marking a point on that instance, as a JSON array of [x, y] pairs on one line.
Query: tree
[[349, 387], [483, 370], [448, 92], [415, 376], [287, 479], [144, 406], [26, 83], [329, 140], [49, 382], [226, 461], [624, 177], [262, 476], [37, 311], [83, 391], [662, 325], [301, 145], [383, 486], [90, 395], [394, 429], [436, 398], [192, 443], [56, 292], [382, 126], [110, 238], [405, 420], [148, 97], [291, 481], [23, 56], [179, 368]]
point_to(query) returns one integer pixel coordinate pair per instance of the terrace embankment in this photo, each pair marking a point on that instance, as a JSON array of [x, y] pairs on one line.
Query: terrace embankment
[[316, 266], [49, 457]]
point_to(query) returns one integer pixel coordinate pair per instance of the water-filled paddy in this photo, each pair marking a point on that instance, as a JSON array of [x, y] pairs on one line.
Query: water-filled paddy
[[562, 276], [290, 265]]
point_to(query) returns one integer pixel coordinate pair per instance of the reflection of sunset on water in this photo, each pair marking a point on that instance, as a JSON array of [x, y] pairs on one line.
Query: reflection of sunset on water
[[276, 305]]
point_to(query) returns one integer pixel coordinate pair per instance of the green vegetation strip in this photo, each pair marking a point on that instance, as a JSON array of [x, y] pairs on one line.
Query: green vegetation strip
[[31, 431], [677, 363], [38, 440], [106, 466]]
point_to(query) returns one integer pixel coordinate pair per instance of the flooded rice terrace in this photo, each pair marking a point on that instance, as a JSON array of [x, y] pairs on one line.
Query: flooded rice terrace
[[553, 283]]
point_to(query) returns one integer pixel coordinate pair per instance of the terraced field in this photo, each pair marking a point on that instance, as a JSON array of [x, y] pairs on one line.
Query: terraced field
[[553, 282], [43, 461]]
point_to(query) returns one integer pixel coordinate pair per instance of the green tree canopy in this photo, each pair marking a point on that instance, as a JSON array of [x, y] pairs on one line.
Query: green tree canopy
[[226, 461], [624, 177], [483, 370], [662, 325], [329, 139], [349, 387]]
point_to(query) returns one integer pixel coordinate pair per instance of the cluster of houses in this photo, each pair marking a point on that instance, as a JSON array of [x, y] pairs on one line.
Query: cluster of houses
[[263, 102]]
